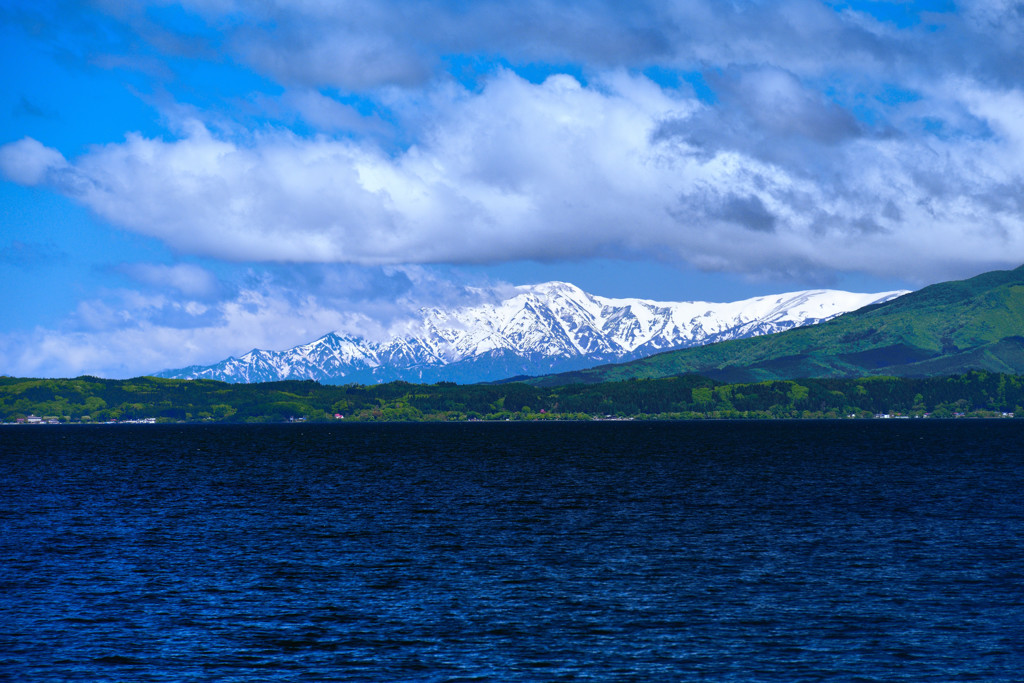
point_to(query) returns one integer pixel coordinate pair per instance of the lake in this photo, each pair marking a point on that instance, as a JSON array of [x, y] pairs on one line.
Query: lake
[[720, 551]]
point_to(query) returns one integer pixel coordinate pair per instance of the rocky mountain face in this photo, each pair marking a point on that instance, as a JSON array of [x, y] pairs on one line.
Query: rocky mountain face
[[550, 327]]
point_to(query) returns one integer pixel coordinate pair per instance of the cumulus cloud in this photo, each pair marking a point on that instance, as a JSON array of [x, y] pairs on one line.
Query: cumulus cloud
[[558, 170], [29, 162], [501, 175], [826, 136]]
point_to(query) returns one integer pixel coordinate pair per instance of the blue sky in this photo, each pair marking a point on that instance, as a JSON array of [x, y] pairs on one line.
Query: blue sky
[[183, 181]]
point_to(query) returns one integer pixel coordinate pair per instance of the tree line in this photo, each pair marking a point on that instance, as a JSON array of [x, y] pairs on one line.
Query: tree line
[[91, 399]]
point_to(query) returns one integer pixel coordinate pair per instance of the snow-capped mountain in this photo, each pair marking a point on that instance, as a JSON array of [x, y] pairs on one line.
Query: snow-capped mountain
[[550, 327]]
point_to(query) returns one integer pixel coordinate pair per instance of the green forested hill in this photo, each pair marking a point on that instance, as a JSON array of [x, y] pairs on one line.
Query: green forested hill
[[88, 399], [944, 329]]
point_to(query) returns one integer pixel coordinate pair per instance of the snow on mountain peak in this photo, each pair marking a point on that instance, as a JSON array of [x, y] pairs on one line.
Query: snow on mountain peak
[[545, 327]]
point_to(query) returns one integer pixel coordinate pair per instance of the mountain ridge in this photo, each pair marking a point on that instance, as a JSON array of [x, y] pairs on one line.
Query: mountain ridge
[[943, 329], [548, 327]]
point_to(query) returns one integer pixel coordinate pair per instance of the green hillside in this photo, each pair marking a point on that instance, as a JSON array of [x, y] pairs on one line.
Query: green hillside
[[944, 329], [88, 400]]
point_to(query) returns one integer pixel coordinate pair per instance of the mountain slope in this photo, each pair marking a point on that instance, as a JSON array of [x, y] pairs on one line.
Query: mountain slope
[[946, 328], [551, 327]]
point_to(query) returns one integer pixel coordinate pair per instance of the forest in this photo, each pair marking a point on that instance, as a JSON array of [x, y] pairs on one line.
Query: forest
[[95, 400]]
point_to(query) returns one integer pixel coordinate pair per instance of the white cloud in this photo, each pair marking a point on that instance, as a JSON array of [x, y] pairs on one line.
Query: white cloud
[[1002, 110], [128, 334], [186, 278], [328, 114], [366, 44], [501, 175], [29, 162], [557, 170]]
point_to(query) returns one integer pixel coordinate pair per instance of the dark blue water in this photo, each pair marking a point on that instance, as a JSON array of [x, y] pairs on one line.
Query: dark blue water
[[810, 551]]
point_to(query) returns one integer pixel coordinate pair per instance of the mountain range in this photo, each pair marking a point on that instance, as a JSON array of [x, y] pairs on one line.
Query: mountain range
[[546, 328], [943, 329]]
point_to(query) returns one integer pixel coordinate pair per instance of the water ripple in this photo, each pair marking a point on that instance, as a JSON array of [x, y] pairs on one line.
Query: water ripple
[[550, 552]]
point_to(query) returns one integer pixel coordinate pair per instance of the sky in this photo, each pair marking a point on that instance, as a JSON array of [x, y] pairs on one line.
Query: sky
[[185, 181]]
